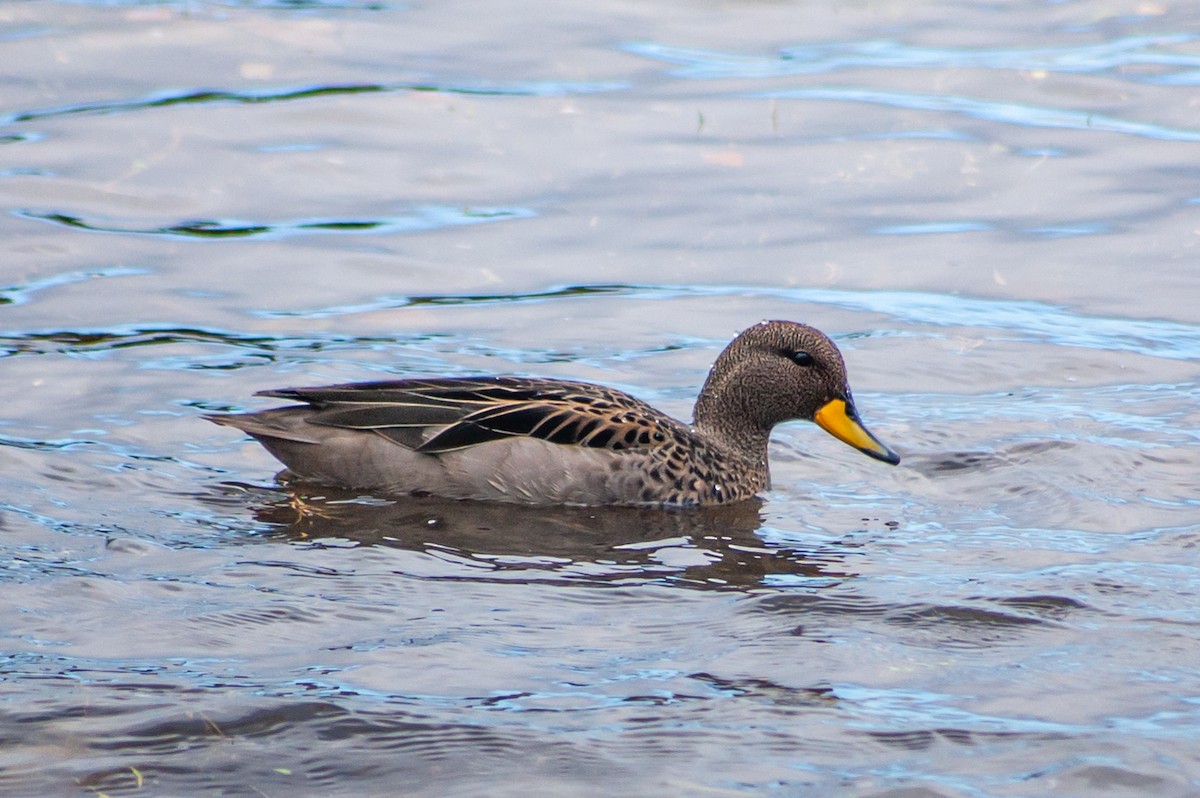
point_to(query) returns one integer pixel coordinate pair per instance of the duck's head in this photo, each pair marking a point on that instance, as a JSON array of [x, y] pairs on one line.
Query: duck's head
[[778, 371]]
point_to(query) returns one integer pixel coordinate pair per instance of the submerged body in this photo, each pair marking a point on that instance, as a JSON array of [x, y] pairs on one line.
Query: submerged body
[[541, 441]]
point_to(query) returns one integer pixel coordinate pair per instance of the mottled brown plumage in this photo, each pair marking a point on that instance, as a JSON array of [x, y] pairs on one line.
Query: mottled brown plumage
[[543, 441]]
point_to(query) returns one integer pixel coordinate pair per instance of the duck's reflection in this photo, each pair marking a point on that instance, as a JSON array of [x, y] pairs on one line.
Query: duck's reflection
[[717, 547]]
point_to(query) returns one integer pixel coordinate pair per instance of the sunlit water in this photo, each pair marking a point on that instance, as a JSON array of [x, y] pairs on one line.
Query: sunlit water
[[991, 208]]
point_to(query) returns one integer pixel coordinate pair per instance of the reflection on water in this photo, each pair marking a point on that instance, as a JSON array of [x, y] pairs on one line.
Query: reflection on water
[[702, 547]]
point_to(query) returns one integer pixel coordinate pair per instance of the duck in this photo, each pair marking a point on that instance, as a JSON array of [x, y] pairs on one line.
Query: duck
[[539, 441]]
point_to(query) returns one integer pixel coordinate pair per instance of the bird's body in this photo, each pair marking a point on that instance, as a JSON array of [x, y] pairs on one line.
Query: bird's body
[[543, 441]]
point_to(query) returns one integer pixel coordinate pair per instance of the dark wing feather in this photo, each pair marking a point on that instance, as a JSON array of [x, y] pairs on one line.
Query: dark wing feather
[[632, 425], [450, 391], [462, 435], [473, 411], [383, 393], [533, 419], [356, 416], [516, 418]]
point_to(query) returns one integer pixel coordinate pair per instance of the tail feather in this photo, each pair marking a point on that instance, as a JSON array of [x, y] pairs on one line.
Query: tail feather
[[285, 423]]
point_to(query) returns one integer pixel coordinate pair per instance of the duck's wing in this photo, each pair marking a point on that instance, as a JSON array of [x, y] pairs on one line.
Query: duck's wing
[[441, 415]]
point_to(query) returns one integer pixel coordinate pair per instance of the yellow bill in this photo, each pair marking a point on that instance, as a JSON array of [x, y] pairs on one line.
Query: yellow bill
[[839, 418]]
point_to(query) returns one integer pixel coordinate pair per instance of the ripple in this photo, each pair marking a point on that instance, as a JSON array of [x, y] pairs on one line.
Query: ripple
[[165, 736], [72, 342], [961, 626], [1006, 113], [767, 690], [44, 445], [1024, 320], [1048, 606], [1071, 230], [941, 463], [891, 706], [432, 217], [926, 228], [924, 739], [288, 94], [275, 5], [1021, 320], [1114, 58], [203, 349], [941, 228], [17, 138], [20, 293], [403, 301]]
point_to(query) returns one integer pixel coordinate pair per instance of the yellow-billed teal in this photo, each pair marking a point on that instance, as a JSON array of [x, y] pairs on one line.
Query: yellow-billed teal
[[545, 441]]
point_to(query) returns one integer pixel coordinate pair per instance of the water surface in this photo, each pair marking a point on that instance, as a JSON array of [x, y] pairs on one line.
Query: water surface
[[992, 209]]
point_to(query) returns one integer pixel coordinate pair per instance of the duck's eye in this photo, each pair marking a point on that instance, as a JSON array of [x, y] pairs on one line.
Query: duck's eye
[[801, 358]]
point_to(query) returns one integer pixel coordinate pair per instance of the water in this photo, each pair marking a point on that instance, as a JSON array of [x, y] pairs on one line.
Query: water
[[992, 208]]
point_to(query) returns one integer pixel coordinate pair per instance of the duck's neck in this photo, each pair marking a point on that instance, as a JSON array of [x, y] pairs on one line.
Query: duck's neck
[[727, 428], [725, 415]]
